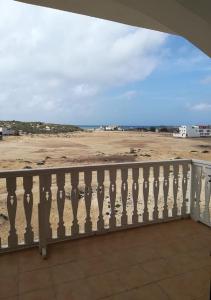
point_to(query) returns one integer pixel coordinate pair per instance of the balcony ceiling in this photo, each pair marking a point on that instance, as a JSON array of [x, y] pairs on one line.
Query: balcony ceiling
[[188, 18]]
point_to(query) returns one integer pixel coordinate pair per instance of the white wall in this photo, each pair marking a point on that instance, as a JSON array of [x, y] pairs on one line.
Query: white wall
[[6, 131]]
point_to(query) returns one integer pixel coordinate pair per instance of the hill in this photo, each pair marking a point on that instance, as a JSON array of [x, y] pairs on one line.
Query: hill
[[38, 127]]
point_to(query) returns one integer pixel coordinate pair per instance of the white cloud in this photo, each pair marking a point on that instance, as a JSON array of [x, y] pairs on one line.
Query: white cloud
[[201, 107], [53, 63], [127, 95], [206, 80], [84, 90], [190, 60]]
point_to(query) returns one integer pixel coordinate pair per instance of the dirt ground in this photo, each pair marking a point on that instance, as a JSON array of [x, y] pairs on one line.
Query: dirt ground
[[97, 147]]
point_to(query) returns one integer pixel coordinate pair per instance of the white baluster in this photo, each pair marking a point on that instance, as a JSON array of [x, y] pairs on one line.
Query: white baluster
[[28, 208], [206, 214], [112, 192], [196, 186], [75, 200], [100, 198], [88, 200], [156, 170], [124, 193], [60, 180], [175, 189], [46, 201], [166, 171], [146, 194], [135, 193], [184, 188], [12, 209]]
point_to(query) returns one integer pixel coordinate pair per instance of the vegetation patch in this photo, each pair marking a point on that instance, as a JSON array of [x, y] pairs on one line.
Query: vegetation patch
[[38, 127]]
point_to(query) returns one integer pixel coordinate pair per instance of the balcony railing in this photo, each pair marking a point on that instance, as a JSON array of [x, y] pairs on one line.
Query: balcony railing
[[201, 192], [43, 206]]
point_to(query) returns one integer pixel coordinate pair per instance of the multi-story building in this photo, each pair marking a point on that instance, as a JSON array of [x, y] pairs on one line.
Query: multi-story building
[[193, 131]]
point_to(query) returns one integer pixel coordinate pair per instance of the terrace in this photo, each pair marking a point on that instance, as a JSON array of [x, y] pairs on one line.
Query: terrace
[[91, 223], [111, 204]]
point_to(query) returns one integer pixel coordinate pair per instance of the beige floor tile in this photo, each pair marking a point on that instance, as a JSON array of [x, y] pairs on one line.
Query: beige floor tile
[[206, 296], [134, 277], [159, 269], [78, 290], [145, 253], [72, 251], [45, 294], [8, 286], [175, 255], [92, 288], [60, 254], [107, 284], [121, 259], [11, 298], [66, 272], [31, 260], [170, 247], [132, 256], [196, 241], [9, 264], [148, 292], [174, 265], [202, 255], [196, 259], [96, 265], [208, 269], [38, 279], [191, 285]]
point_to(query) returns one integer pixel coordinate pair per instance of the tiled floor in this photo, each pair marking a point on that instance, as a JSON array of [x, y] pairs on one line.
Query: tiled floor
[[158, 262]]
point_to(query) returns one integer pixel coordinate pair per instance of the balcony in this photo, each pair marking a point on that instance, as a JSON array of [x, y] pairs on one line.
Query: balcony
[[112, 204]]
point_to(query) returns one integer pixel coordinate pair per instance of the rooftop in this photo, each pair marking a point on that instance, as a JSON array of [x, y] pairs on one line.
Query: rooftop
[[162, 261]]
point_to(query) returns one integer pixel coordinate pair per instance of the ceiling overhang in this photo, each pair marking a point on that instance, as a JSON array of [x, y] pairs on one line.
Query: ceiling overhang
[[190, 19]]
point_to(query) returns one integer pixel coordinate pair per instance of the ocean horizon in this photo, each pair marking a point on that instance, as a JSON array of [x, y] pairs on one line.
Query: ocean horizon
[[126, 127]]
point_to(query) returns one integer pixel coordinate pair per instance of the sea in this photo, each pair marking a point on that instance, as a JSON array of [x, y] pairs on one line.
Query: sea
[[125, 127], [92, 127]]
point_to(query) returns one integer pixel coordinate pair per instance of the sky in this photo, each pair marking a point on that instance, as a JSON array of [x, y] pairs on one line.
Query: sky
[[65, 68]]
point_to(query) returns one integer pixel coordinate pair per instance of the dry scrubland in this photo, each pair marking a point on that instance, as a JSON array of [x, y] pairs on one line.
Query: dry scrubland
[[38, 151], [97, 147]]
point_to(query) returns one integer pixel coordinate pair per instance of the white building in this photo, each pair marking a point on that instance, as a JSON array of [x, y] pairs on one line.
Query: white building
[[6, 131], [47, 128], [113, 128], [109, 128], [193, 131]]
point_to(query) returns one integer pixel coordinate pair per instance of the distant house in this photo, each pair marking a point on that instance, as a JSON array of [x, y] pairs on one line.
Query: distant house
[[109, 128], [47, 128], [193, 131], [7, 131], [113, 128]]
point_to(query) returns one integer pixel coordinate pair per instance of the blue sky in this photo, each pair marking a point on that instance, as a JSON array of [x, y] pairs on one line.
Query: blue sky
[[65, 68], [178, 91]]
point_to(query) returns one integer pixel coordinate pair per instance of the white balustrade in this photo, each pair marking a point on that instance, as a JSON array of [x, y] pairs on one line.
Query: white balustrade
[[119, 196], [201, 192]]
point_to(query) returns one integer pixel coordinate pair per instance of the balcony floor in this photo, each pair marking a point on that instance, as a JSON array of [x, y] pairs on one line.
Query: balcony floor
[[165, 261]]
